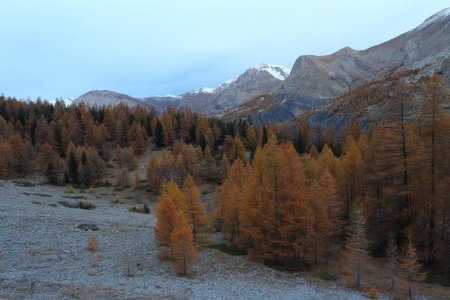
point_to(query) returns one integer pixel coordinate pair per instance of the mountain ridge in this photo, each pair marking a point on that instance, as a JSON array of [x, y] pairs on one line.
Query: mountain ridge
[[315, 80]]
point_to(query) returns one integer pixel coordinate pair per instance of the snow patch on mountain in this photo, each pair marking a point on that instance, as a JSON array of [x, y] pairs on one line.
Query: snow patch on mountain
[[203, 90], [170, 96], [279, 72]]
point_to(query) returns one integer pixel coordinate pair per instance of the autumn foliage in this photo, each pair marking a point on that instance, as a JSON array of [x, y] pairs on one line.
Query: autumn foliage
[[180, 216]]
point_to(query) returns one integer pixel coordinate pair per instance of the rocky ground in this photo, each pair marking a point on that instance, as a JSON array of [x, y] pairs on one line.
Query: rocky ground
[[43, 256]]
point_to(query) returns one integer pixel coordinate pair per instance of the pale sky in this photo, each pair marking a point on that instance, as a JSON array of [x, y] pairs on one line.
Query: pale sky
[[64, 48]]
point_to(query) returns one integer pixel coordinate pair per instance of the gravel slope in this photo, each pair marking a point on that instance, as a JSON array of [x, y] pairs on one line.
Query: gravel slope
[[44, 257]]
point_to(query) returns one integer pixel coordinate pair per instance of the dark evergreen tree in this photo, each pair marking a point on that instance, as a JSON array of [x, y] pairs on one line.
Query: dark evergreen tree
[[159, 135]]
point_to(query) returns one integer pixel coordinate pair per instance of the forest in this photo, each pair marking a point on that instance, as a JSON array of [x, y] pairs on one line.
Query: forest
[[291, 195]]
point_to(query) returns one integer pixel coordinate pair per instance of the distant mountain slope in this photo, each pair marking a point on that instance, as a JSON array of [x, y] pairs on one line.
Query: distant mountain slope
[[314, 80], [105, 97], [254, 81]]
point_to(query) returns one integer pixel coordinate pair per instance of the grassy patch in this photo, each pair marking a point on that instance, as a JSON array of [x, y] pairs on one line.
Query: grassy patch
[[53, 205], [79, 204], [229, 249], [75, 197], [36, 202], [27, 194], [140, 208]]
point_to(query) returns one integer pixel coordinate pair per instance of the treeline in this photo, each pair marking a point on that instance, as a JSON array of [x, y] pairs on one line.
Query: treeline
[[73, 144]]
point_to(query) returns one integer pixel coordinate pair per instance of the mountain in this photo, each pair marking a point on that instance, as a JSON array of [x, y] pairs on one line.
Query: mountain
[[274, 93], [315, 80], [254, 81]]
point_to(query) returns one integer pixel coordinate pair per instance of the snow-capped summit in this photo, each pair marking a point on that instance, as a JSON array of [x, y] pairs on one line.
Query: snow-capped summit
[[279, 72], [441, 16], [203, 90]]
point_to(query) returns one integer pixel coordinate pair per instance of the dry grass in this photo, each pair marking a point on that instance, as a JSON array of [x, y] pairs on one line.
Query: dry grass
[[93, 244]]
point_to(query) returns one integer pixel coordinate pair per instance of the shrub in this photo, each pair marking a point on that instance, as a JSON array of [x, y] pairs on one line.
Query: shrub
[[93, 244], [140, 208], [373, 293], [70, 190], [79, 204], [85, 205]]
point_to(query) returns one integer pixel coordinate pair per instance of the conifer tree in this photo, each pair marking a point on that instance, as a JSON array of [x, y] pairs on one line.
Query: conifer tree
[[411, 266], [49, 163], [72, 165], [392, 256], [159, 135], [357, 243], [231, 196], [224, 167], [238, 151], [166, 214], [182, 248], [196, 213], [136, 137], [322, 225]]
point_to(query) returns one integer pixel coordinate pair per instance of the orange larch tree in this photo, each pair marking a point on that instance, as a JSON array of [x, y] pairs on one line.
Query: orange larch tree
[[195, 211], [182, 247]]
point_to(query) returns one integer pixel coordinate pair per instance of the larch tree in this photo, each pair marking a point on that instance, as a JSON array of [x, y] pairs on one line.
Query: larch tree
[[230, 199], [322, 224], [224, 167], [5, 154], [196, 212], [238, 151], [183, 250], [334, 204], [351, 175], [392, 256], [410, 265], [357, 243], [49, 163], [137, 138], [166, 215]]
